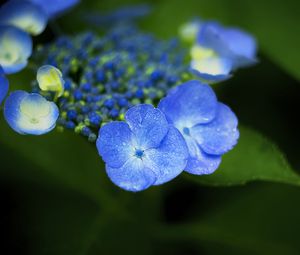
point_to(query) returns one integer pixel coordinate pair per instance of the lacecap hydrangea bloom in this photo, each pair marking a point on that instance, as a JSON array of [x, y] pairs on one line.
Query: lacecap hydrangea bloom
[[106, 88], [217, 50]]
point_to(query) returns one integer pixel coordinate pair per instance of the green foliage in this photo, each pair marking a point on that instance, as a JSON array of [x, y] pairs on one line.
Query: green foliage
[[254, 158]]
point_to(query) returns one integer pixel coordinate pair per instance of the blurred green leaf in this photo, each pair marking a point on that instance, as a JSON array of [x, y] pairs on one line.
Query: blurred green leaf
[[54, 220], [254, 158], [66, 203], [62, 158], [259, 220]]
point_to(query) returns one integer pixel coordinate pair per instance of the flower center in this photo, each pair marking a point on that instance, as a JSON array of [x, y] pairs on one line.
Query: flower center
[[139, 153], [186, 131]]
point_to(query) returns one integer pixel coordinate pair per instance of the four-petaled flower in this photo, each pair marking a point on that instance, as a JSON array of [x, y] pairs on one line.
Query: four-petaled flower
[[232, 43], [143, 151], [209, 127], [218, 50]]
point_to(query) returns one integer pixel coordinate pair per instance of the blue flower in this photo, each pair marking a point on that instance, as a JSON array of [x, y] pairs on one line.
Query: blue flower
[[55, 7], [24, 15], [30, 113], [231, 43], [143, 151], [208, 127], [16, 48], [4, 85]]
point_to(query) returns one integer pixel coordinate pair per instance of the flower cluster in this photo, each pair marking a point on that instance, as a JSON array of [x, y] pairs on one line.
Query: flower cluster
[[106, 75], [106, 88], [217, 50], [26, 113]]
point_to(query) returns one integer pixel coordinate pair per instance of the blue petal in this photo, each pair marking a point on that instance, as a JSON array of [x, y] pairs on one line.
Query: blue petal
[[24, 15], [169, 159], [230, 43], [30, 113], [16, 47], [204, 69], [189, 104], [4, 85], [199, 162], [242, 45], [115, 143], [207, 164], [55, 7], [132, 176], [148, 124], [220, 135]]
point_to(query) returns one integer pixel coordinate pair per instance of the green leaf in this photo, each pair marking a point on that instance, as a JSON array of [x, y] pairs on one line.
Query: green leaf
[[55, 220], [61, 158], [259, 219], [254, 158]]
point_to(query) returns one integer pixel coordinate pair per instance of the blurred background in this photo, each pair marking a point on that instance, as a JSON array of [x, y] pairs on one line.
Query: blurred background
[[56, 198]]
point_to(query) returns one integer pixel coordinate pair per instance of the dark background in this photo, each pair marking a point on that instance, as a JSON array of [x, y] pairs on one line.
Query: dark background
[[56, 199]]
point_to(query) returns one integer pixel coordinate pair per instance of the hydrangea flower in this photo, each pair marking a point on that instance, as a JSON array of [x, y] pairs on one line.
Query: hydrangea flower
[[16, 47], [208, 127], [24, 15], [231, 43], [50, 79], [55, 7], [30, 113], [4, 85], [143, 151], [217, 50]]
